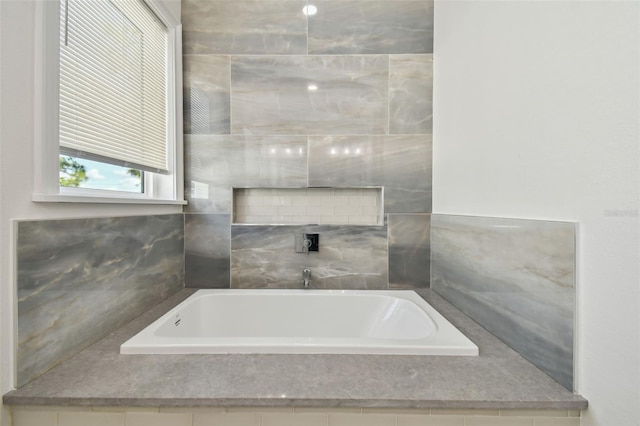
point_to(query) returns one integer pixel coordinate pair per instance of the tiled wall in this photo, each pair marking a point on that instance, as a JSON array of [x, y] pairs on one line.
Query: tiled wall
[[514, 277], [349, 257], [80, 279], [279, 98], [239, 416]]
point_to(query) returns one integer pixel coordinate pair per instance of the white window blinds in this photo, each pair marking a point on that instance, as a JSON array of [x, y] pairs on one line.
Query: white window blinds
[[113, 83]]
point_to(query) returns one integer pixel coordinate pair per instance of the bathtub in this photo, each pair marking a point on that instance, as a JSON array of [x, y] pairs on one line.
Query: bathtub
[[301, 322]]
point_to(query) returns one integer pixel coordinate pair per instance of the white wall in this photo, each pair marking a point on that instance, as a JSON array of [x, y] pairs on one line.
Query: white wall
[[17, 28], [536, 115]]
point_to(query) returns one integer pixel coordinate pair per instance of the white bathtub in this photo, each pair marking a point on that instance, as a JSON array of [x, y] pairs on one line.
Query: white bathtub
[[301, 322]]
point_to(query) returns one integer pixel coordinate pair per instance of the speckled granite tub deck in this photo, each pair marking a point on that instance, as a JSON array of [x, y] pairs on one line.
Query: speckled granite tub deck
[[99, 376]]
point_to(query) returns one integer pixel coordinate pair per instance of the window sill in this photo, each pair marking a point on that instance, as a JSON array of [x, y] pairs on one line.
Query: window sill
[[59, 198]]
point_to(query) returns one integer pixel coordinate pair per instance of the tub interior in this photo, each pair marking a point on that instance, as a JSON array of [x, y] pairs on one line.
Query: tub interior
[[316, 316], [302, 321]]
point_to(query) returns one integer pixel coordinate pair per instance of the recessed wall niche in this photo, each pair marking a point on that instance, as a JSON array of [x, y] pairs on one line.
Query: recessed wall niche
[[327, 206]]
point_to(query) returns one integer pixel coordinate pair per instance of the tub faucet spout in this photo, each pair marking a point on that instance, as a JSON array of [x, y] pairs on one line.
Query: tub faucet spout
[[306, 275]]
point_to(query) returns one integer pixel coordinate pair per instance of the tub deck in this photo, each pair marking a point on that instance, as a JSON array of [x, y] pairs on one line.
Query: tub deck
[[498, 378]]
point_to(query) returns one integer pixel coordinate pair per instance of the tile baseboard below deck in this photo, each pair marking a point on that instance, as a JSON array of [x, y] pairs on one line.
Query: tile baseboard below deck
[[264, 416]]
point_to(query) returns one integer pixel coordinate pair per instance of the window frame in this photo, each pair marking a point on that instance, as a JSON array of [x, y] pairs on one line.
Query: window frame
[[160, 189]]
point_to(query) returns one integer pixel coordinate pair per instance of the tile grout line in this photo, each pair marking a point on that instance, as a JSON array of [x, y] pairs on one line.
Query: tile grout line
[[307, 38], [230, 95], [389, 94]]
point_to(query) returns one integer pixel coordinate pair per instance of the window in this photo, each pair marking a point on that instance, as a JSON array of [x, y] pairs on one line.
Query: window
[[109, 97], [82, 173]]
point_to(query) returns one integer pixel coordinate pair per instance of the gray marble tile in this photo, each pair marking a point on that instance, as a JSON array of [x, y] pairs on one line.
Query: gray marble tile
[[344, 27], [80, 279], [350, 257], [410, 94], [215, 164], [206, 94], [514, 277], [409, 250], [244, 27], [207, 250], [309, 95], [401, 164]]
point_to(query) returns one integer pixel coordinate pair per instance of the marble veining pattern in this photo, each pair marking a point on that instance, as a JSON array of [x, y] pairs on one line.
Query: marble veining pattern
[[207, 241], [409, 236], [514, 277], [353, 257], [309, 95], [402, 164], [215, 164], [410, 94], [276, 99], [244, 27], [371, 26], [80, 279], [206, 94]]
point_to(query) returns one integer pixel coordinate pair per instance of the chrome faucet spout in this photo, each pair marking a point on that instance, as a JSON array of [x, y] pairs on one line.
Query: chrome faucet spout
[[306, 276]]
